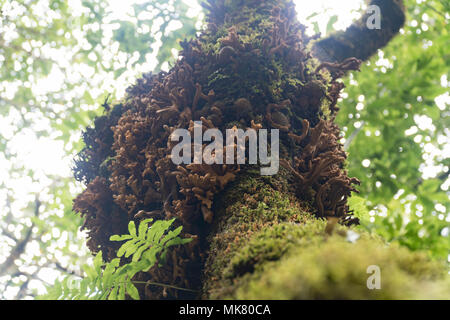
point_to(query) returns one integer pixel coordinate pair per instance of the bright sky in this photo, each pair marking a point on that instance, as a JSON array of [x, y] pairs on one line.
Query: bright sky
[[342, 8]]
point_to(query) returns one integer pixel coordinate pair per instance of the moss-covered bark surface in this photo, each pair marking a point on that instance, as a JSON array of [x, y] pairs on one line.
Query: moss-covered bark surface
[[267, 245]]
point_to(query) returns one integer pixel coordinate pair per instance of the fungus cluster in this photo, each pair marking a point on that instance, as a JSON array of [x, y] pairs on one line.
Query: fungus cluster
[[251, 67]]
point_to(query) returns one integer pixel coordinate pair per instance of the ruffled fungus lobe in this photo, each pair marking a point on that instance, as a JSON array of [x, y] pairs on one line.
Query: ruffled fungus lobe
[[249, 69]]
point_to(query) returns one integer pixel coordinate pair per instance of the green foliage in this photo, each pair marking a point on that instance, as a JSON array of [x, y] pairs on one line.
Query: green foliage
[[359, 209], [113, 280], [396, 132]]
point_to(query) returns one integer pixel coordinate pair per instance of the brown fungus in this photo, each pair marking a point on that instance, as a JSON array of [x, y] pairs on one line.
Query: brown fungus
[[264, 70]]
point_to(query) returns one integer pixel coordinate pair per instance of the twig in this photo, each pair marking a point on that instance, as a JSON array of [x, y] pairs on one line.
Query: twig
[[353, 136], [20, 245], [63, 269], [164, 285], [429, 6]]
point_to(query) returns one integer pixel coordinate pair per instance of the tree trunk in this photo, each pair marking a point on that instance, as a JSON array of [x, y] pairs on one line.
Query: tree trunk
[[255, 236], [266, 244]]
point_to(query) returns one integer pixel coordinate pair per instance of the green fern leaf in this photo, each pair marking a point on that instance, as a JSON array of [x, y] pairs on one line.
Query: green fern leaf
[[113, 294], [132, 229], [132, 291], [143, 226], [120, 238]]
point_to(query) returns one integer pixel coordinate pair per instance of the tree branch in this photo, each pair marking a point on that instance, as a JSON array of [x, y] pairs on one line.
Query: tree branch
[[358, 40], [66, 270], [20, 245], [353, 136], [24, 286], [8, 234]]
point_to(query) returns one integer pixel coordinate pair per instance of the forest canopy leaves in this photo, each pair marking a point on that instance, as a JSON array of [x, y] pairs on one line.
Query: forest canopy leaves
[[397, 108]]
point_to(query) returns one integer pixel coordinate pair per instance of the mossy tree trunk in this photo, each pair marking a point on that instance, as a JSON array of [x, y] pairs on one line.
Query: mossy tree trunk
[[267, 244], [255, 236], [267, 241]]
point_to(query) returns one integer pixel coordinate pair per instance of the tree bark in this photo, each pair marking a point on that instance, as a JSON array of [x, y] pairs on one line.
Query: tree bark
[[267, 244], [358, 40], [255, 236]]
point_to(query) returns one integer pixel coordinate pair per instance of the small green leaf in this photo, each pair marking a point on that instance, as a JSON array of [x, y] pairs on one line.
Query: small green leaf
[[177, 241], [331, 22], [132, 249], [171, 235], [121, 295], [90, 272], [125, 247], [143, 226], [138, 253], [113, 294], [98, 262], [120, 238], [160, 227], [132, 229], [132, 291]]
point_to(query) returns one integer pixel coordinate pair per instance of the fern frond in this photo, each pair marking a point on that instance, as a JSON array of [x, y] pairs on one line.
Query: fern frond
[[146, 245]]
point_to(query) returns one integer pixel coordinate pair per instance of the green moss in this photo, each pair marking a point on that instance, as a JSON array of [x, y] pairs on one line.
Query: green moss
[[267, 247], [294, 82], [249, 24], [325, 108], [236, 6], [252, 207], [337, 269], [213, 46], [271, 244], [217, 76], [260, 79]]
